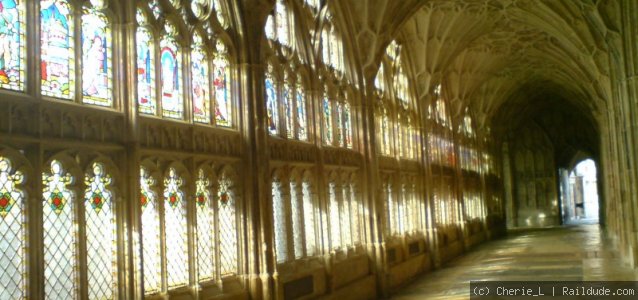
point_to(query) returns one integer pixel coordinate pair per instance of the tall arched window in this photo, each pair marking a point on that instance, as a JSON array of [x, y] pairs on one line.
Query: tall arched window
[[272, 105], [57, 49], [13, 227], [221, 82], [96, 59], [200, 85], [280, 223], [227, 206], [13, 53], [60, 253], [146, 101], [175, 230], [171, 74], [205, 227], [151, 247]]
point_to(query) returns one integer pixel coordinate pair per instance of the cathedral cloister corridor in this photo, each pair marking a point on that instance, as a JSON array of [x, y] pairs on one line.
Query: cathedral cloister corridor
[[314, 149]]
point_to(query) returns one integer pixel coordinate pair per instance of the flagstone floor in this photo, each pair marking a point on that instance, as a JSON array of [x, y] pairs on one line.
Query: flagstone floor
[[577, 253]]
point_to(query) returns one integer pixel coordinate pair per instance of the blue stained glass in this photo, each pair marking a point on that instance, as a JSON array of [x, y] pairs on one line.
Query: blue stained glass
[[327, 119], [145, 72], [172, 105], [200, 86], [301, 113], [12, 48]]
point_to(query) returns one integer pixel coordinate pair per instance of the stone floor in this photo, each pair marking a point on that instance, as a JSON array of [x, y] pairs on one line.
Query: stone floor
[[566, 253]]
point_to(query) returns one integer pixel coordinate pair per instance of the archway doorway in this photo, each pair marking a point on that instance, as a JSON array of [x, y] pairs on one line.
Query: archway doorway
[[579, 193]]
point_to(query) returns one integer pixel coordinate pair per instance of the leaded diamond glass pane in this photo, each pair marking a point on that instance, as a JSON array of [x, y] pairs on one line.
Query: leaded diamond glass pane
[[205, 246], [335, 232], [12, 227], [345, 216], [309, 220], [175, 228], [150, 235], [297, 220], [279, 220], [59, 234], [100, 235], [227, 227]]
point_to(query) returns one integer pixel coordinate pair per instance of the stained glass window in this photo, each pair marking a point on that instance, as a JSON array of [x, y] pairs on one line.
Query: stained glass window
[[155, 8], [281, 21], [12, 45], [309, 219], [12, 225], [175, 229], [151, 231], [170, 61], [226, 204], [200, 83], [270, 28], [339, 124], [385, 133], [219, 13], [355, 205], [301, 124], [327, 120], [205, 228], [59, 230], [271, 102], [57, 54], [279, 220], [345, 215], [145, 69], [287, 95], [96, 59], [347, 125], [100, 234], [221, 81]]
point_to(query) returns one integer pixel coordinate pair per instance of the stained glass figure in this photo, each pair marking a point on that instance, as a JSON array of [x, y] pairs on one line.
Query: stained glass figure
[[271, 102], [327, 120], [200, 83], [13, 227], [12, 45], [100, 231], [172, 102], [279, 219], [150, 234], [227, 207], [96, 59], [221, 82], [59, 232], [175, 230], [205, 228], [57, 54], [301, 120], [145, 69], [287, 95]]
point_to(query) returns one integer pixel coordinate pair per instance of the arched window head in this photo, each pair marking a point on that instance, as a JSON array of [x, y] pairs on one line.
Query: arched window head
[[200, 86], [146, 101], [222, 86], [332, 47], [96, 59], [278, 25], [155, 8]]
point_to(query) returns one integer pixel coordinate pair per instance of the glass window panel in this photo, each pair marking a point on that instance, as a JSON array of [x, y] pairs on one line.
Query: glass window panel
[[297, 219], [59, 232], [170, 61], [221, 81], [227, 226], [205, 228], [271, 103], [175, 230], [57, 54], [13, 227], [339, 122], [219, 13], [281, 21], [335, 231], [155, 8], [145, 70], [150, 234], [200, 84], [279, 220], [347, 125], [96, 59], [309, 219], [301, 124], [12, 45], [345, 215], [327, 120], [100, 234], [270, 28], [385, 131], [287, 94], [356, 215]]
